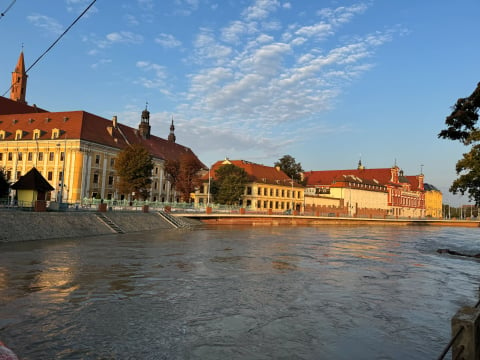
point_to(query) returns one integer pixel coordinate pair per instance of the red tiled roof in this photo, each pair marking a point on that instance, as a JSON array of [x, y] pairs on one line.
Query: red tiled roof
[[328, 177], [8, 106], [257, 173], [86, 126]]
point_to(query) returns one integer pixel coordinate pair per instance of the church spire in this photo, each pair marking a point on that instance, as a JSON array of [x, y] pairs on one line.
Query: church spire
[[171, 136], [18, 89]]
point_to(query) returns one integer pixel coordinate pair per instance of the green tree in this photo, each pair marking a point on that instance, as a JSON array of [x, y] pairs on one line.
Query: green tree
[[462, 126], [290, 167], [4, 185], [229, 184], [134, 167]]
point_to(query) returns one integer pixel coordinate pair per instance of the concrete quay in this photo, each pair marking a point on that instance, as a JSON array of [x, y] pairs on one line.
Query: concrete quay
[[276, 220], [26, 225]]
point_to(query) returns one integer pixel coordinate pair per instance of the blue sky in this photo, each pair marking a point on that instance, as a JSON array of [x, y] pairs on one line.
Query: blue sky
[[328, 82]]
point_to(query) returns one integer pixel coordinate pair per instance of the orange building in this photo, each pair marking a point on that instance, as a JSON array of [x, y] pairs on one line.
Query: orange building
[[76, 150]]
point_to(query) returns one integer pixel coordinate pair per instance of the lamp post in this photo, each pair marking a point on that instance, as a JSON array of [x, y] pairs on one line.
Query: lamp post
[[208, 190]]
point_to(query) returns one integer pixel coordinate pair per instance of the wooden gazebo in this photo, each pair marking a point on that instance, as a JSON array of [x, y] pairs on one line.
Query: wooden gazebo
[[32, 189]]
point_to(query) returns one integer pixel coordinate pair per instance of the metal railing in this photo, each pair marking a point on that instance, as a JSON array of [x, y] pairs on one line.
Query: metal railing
[[456, 340]]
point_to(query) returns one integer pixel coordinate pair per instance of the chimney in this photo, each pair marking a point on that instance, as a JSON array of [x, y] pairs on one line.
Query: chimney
[[114, 121]]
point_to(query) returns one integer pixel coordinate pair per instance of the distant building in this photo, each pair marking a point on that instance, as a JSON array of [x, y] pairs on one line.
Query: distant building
[[433, 201], [76, 150], [269, 188], [366, 192]]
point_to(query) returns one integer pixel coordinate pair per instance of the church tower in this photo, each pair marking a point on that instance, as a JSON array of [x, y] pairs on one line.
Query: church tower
[[144, 126], [18, 89], [171, 136]]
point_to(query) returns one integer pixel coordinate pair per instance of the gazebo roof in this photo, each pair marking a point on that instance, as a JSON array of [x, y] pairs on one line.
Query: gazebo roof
[[32, 180]]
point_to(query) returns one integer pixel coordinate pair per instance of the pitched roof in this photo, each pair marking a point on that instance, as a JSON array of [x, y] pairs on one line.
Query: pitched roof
[[383, 176], [8, 106], [257, 172], [32, 180], [86, 126]]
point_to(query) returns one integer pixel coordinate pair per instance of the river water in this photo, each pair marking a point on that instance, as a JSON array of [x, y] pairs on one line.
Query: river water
[[331, 292]]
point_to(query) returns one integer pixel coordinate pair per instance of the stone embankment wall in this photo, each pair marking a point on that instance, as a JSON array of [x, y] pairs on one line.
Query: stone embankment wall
[[22, 226]]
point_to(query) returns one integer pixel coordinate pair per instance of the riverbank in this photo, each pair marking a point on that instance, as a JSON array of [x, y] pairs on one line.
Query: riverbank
[[25, 226], [276, 220]]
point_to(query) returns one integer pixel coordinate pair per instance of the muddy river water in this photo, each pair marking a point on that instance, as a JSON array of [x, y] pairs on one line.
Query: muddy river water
[[330, 292]]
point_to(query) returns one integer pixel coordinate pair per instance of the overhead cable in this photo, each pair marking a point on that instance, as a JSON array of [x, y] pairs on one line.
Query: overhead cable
[[57, 40], [6, 10]]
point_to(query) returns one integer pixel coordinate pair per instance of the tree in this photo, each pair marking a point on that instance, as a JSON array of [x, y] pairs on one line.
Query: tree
[[229, 184], [462, 126], [290, 167], [188, 177], [134, 167], [4, 185]]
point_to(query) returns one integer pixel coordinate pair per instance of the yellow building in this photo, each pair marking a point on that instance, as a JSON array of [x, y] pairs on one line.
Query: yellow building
[[433, 201], [269, 188], [76, 150]]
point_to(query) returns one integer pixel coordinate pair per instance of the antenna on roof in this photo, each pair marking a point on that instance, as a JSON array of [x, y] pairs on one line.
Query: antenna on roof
[[421, 169]]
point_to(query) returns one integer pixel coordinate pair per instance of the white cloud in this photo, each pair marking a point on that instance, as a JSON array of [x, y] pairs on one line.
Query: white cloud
[[261, 9], [167, 40], [46, 23], [155, 78], [125, 37]]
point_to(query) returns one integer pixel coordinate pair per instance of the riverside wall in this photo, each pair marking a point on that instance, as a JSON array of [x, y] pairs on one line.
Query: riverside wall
[[24, 226], [278, 220]]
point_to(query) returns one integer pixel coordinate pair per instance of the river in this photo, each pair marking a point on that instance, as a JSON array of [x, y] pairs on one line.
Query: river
[[330, 292]]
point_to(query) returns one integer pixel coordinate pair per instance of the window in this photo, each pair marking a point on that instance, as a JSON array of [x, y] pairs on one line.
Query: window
[[97, 159], [55, 133], [1, 156], [19, 174], [40, 156], [62, 156], [249, 190], [18, 135], [95, 178], [20, 156], [60, 176], [156, 170], [36, 135], [259, 191], [30, 156], [9, 174], [112, 162], [2, 135], [10, 156], [49, 176], [51, 156], [110, 180]]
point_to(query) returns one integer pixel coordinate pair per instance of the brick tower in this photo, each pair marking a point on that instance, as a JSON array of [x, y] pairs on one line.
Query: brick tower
[[18, 89]]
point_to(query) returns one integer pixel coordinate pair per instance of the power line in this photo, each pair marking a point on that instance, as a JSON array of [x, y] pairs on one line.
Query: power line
[[57, 40], [6, 10]]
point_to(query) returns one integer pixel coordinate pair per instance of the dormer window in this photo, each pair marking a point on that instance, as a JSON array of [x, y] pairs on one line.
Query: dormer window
[[36, 134], [18, 135], [55, 133], [2, 134]]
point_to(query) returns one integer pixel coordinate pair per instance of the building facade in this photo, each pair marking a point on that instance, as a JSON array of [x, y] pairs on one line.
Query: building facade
[[433, 202], [269, 188], [364, 192], [76, 150]]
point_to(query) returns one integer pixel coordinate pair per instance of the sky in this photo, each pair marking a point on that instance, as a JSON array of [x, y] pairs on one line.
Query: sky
[[329, 82]]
